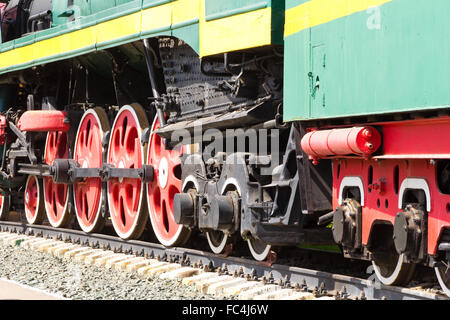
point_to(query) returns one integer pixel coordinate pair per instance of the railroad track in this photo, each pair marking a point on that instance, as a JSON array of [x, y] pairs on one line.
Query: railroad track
[[208, 272]]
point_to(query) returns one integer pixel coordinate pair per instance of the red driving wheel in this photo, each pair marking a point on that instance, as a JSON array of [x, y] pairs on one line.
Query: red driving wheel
[[56, 196], [88, 153], [34, 206], [161, 192], [126, 195]]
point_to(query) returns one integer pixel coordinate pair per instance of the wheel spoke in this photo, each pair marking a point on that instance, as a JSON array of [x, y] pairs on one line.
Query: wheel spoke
[[125, 151], [88, 153], [161, 192]]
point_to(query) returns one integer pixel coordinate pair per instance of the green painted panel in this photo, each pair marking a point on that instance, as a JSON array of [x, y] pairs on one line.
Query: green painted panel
[[294, 3], [217, 9], [389, 59], [6, 96], [62, 14], [188, 30]]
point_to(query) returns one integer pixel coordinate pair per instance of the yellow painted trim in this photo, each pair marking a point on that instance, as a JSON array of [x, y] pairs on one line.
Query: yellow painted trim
[[242, 31], [119, 27], [317, 12], [185, 10]]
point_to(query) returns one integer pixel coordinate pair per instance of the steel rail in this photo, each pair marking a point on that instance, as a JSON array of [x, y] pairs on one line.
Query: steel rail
[[313, 280]]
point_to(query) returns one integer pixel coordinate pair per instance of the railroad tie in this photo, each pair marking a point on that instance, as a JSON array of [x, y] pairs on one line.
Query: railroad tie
[[109, 264], [73, 252], [91, 259], [133, 267], [55, 251], [203, 285], [44, 246], [239, 288], [299, 295], [17, 240], [26, 244], [101, 261], [80, 257]]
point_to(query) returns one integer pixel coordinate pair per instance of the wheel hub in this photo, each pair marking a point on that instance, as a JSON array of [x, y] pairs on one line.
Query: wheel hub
[[163, 174]]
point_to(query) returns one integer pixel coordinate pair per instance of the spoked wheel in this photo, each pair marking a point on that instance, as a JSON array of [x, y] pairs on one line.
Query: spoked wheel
[[217, 241], [4, 207], [34, 202], [443, 276], [161, 192], [259, 249], [88, 149], [391, 269], [126, 195], [56, 196]]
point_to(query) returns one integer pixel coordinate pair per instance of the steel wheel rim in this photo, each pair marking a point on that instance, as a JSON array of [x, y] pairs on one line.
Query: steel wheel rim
[[400, 274], [88, 149], [56, 196], [33, 200], [3, 214], [123, 152], [217, 241], [162, 190], [259, 249], [443, 277]]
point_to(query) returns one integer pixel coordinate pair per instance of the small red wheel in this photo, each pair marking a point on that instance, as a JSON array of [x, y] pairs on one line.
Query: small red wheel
[[34, 205], [56, 196], [161, 192], [88, 150], [126, 195]]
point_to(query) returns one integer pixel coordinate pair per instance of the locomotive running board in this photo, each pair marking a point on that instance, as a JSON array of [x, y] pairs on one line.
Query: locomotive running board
[[71, 173]]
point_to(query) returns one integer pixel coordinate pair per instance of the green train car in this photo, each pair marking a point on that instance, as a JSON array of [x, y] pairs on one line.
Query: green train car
[[244, 122]]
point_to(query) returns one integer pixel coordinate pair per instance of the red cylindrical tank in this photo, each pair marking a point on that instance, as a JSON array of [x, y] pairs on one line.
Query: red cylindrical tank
[[44, 121], [362, 141]]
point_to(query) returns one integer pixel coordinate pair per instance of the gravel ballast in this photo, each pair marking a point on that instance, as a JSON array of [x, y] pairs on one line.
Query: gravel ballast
[[75, 280]]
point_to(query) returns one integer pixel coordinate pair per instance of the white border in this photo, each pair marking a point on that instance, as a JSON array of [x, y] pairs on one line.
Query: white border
[[94, 223], [47, 212], [177, 234], [37, 290], [133, 228], [32, 221]]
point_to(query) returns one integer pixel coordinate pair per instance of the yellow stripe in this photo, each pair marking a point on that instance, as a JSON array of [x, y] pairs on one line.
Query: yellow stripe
[[242, 31], [142, 21], [157, 17], [316, 12]]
